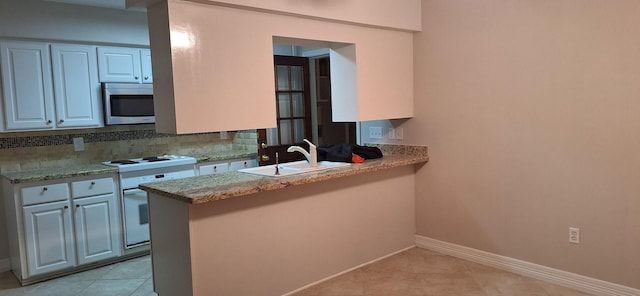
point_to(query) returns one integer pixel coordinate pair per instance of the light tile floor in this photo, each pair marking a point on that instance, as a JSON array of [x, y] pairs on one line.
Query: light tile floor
[[415, 272], [129, 278], [425, 273]]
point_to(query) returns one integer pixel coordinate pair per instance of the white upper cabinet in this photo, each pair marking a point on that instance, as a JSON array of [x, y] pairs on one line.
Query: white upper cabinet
[[124, 64], [76, 85], [27, 85], [217, 79], [49, 86], [145, 63]]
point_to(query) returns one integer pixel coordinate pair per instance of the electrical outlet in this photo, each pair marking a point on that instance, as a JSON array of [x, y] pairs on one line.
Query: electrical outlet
[[375, 132], [78, 144], [392, 134], [574, 235]]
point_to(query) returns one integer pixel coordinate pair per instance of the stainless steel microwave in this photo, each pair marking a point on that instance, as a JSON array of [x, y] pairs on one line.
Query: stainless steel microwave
[[128, 103]]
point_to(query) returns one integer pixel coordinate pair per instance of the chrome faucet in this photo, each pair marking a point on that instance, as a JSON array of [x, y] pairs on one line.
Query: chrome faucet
[[311, 156]]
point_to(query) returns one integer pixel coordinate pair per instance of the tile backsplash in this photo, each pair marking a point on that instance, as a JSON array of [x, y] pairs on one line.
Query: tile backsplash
[[32, 150]]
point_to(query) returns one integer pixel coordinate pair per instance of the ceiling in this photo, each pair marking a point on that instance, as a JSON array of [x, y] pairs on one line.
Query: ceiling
[[113, 4]]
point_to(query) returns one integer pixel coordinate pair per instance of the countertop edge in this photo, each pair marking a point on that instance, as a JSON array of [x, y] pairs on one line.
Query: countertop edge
[[32, 176], [227, 191]]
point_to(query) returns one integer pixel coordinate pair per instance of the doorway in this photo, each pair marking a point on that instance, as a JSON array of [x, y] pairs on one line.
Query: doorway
[[316, 124], [293, 112]]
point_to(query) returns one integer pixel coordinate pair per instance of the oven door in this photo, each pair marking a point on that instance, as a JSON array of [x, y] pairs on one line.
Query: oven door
[[136, 217]]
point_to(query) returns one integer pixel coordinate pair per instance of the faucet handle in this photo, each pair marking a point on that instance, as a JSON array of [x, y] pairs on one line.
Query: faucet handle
[[310, 144]]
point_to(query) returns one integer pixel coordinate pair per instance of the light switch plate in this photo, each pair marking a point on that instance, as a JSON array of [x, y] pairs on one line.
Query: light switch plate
[[375, 132], [398, 135], [391, 134]]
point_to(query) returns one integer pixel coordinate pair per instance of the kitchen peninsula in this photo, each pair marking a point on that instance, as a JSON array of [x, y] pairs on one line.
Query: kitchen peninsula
[[242, 234]]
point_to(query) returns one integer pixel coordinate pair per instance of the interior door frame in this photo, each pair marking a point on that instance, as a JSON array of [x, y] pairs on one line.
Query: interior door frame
[[267, 153]]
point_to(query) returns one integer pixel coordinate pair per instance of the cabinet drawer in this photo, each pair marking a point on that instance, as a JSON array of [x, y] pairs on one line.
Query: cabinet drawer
[[214, 168], [92, 187], [242, 164], [44, 193]]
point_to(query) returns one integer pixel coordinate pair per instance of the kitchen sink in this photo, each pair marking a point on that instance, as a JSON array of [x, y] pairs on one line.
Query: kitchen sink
[[292, 168]]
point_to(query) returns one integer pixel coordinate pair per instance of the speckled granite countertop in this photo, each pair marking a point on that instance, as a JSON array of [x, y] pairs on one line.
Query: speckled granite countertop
[[209, 188], [226, 155], [58, 173], [54, 173]]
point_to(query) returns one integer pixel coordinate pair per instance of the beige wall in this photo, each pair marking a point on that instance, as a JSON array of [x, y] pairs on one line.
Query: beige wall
[[531, 111]]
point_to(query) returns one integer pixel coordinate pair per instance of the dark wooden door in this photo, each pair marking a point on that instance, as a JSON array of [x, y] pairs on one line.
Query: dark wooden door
[[293, 105]]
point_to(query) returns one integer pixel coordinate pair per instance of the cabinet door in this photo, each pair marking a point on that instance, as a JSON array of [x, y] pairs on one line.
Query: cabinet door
[[145, 60], [97, 228], [49, 237], [119, 64], [27, 86], [76, 84], [242, 164]]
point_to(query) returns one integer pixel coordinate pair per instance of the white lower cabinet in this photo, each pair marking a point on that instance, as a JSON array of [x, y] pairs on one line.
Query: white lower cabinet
[[48, 233], [58, 225], [209, 168], [95, 224], [243, 164]]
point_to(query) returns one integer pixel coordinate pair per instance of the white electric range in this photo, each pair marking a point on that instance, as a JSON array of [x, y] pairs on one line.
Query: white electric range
[[136, 171]]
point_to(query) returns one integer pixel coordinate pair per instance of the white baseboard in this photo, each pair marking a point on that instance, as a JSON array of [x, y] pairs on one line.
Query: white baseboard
[[5, 264], [547, 274]]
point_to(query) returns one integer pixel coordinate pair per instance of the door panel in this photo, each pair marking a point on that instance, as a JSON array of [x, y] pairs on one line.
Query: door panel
[[27, 85], [77, 88], [96, 228], [49, 237]]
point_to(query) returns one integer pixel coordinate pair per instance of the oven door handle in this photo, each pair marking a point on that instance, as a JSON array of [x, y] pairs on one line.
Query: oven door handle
[[132, 191]]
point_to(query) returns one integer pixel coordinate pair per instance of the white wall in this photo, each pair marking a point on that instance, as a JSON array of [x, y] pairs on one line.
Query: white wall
[[46, 20], [531, 112]]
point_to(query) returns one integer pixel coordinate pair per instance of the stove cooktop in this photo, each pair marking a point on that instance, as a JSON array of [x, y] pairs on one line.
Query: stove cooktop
[[150, 162]]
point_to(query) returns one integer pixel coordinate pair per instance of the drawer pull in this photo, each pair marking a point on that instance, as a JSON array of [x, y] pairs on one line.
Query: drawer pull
[[93, 183], [45, 188], [66, 207], [77, 206]]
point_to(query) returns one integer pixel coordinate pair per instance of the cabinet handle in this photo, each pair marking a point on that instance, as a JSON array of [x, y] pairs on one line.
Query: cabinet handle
[[93, 183], [263, 145], [49, 121], [61, 120], [136, 77], [77, 206], [264, 157], [45, 188], [245, 164], [66, 207], [146, 78]]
